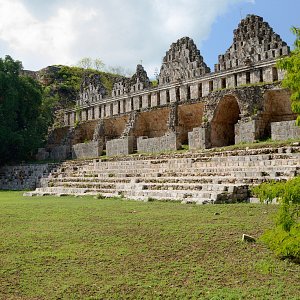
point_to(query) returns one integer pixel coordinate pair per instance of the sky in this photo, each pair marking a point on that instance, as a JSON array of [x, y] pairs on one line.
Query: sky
[[128, 32]]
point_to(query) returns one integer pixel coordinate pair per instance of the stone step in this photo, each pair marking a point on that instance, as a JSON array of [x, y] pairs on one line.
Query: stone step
[[235, 193], [256, 171], [238, 194], [137, 185], [220, 161], [60, 191], [159, 168]]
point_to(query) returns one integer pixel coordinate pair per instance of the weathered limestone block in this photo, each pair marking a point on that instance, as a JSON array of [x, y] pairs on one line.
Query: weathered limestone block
[[42, 154], [123, 146], [146, 100], [246, 131], [87, 150], [24, 177], [163, 97], [194, 91], [172, 93], [155, 100], [59, 152], [199, 138], [285, 130], [137, 103], [168, 142]]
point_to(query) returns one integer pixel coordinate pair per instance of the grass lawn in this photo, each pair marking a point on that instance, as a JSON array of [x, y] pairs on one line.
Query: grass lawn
[[84, 248]]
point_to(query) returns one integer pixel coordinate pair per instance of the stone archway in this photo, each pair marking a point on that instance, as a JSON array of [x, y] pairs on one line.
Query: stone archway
[[222, 125], [276, 108]]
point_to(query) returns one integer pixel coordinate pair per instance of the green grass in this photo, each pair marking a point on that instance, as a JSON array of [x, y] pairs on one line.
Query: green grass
[[84, 248]]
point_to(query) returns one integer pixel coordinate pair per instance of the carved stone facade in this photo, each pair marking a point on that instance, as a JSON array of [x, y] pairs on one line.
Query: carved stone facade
[[138, 82], [236, 103], [183, 61], [254, 41], [91, 90]]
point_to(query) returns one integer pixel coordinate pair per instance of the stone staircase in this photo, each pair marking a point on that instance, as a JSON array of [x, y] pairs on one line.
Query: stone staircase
[[207, 177]]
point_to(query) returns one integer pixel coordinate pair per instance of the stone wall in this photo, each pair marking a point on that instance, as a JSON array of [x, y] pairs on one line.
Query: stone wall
[[60, 152], [123, 146], [189, 117], [199, 138], [168, 142], [152, 123], [246, 131], [24, 177], [87, 150], [238, 101], [285, 130]]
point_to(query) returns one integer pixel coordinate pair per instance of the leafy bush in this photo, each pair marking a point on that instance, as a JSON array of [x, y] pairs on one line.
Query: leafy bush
[[23, 123], [284, 238], [291, 64]]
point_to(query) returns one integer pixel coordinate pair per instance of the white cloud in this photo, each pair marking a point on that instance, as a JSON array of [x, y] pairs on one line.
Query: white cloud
[[120, 32]]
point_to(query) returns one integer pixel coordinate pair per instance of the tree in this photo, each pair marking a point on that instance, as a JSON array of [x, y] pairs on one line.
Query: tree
[[21, 125], [89, 63], [98, 64], [291, 65], [85, 63]]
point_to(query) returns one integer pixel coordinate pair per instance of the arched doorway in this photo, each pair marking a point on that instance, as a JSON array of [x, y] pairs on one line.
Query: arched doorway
[[276, 108], [225, 117]]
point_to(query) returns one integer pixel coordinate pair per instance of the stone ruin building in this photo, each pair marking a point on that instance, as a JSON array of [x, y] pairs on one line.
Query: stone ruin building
[[241, 101]]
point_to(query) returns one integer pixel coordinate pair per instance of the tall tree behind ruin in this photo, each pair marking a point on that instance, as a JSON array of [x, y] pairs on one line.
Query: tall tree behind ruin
[[21, 122]]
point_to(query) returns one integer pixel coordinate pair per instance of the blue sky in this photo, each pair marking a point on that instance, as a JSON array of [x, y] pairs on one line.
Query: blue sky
[[126, 32]]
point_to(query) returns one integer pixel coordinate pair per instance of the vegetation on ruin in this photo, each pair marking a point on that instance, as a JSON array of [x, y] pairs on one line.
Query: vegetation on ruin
[[30, 106], [85, 248], [291, 65], [64, 82], [23, 115], [284, 238]]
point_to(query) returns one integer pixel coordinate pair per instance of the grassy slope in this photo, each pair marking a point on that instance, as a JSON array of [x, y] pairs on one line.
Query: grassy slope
[[83, 248]]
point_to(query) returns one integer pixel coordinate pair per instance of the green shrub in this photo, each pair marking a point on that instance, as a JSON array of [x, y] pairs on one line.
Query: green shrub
[[284, 238]]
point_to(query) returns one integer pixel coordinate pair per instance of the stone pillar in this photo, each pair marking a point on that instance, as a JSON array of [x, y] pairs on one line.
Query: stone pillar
[[154, 99], [199, 138], [183, 93], [163, 97], [116, 107], [146, 100], [136, 103], [247, 130], [73, 118], [172, 93], [267, 73], [128, 105], [194, 91], [205, 88], [97, 112], [67, 118]]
